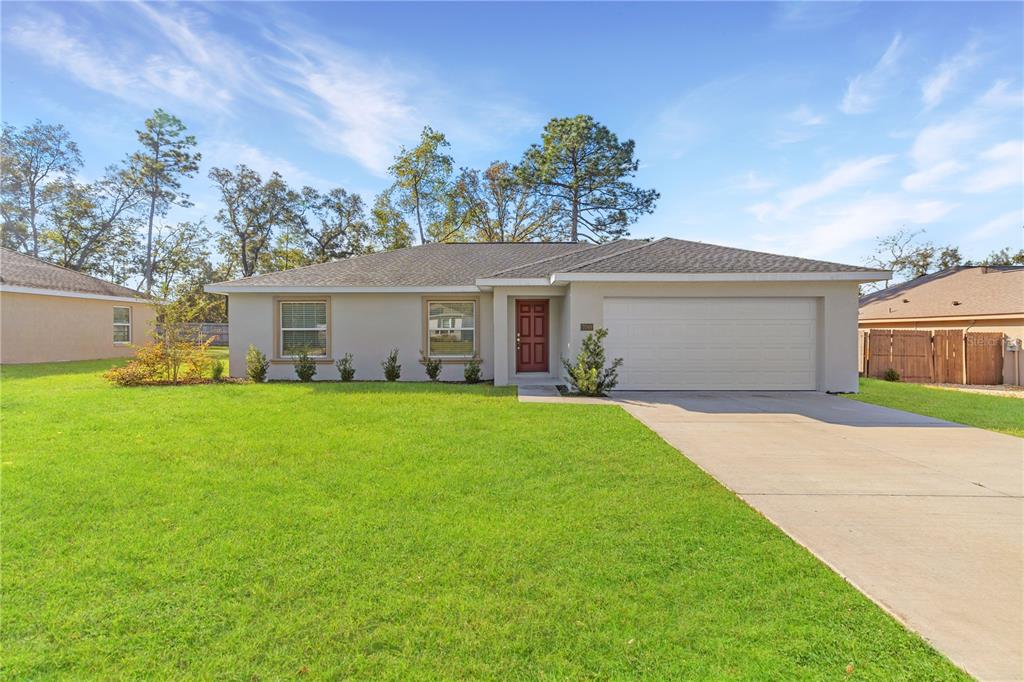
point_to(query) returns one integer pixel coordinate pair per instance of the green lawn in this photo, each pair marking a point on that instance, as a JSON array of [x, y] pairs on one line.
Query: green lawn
[[996, 413], [394, 531]]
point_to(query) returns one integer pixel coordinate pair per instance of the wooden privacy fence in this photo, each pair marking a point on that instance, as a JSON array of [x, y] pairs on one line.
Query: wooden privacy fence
[[946, 356], [204, 330]]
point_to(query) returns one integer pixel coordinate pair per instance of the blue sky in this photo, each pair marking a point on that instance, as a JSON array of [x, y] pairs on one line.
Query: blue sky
[[808, 129]]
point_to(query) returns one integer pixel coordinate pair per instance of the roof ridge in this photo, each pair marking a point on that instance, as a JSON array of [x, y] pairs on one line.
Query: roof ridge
[[137, 293], [585, 247], [644, 244]]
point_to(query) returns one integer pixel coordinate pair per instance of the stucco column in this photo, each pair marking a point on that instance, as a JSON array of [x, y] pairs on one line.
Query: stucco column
[[500, 309]]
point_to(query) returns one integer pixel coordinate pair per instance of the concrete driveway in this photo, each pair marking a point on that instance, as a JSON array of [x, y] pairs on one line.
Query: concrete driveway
[[923, 516]]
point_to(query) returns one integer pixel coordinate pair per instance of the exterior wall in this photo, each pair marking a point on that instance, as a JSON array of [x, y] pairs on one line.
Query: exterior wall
[[366, 325], [837, 315], [42, 328], [505, 328], [1013, 327]]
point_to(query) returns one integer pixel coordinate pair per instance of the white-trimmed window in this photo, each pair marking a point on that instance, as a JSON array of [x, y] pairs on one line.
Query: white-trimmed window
[[122, 325], [303, 327], [451, 329]]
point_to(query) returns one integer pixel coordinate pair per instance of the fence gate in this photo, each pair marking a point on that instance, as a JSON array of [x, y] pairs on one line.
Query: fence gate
[[879, 352], [984, 357], [912, 354], [948, 351]]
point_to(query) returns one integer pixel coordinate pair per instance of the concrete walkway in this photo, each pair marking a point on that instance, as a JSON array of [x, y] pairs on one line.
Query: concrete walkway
[[923, 516]]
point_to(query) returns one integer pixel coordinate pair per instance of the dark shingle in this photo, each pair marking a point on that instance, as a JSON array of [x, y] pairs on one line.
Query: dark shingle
[[463, 264], [426, 265], [19, 269], [681, 256]]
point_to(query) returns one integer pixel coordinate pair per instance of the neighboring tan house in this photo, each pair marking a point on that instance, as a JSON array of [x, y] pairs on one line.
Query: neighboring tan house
[[972, 298], [683, 315], [51, 314]]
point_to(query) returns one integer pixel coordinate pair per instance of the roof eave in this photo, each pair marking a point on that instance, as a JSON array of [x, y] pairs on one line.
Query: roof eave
[[513, 282], [308, 289], [40, 291]]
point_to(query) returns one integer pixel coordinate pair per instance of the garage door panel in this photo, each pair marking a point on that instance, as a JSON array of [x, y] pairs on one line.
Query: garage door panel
[[713, 343]]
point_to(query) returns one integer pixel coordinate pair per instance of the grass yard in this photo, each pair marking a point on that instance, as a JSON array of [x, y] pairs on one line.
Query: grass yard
[[996, 413], [394, 531]]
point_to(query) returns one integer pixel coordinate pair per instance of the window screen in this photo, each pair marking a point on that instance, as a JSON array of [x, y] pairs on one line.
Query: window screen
[[122, 324], [303, 327]]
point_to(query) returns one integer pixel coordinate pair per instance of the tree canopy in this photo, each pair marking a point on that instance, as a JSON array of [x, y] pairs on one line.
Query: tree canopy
[[583, 168]]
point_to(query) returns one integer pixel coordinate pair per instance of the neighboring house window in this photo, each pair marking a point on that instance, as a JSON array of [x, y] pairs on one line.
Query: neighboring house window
[[451, 329], [303, 327], [122, 324]]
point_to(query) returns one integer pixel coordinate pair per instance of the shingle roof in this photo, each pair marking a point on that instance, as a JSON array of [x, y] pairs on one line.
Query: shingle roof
[[566, 262], [463, 264], [424, 265], [682, 256], [19, 269], [977, 290]]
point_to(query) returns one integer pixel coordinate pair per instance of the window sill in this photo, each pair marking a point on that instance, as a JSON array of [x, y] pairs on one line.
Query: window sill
[[449, 360], [292, 361]]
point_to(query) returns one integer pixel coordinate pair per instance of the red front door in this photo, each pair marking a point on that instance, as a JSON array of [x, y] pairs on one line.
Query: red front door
[[531, 335]]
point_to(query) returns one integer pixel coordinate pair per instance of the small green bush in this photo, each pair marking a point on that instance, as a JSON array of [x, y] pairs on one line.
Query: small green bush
[[217, 371], [305, 368], [472, 371], [891, 375], [588, 375], [432, 366], [345, 368], [256, 365], [392, 370]]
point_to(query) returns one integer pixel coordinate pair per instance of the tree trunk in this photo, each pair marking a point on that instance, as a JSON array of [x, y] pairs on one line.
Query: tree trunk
[[149, 245], [574, 233], [32, 219], [419, 221]]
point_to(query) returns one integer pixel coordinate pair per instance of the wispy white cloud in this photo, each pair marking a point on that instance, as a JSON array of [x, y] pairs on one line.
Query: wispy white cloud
[[1002, 167], [804, 116], [946, 149], [941, 81], [1011, 220], [1002, 96], [831, 230], [865, 89], [941, 142], [752, 181], [230, 153], [930, 176], [357, 105], [814, 15], [852, 173]]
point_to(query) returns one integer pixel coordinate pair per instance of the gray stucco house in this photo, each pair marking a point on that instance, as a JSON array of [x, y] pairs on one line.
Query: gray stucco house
[[683, 315]]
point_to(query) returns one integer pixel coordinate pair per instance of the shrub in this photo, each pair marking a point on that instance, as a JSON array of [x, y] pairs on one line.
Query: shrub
[[345, 368], [472, 371], [588, 375], [432, 366], [305, 368], [256, 365], [392, 370], [891, 375], [164, 363], [217, 372]]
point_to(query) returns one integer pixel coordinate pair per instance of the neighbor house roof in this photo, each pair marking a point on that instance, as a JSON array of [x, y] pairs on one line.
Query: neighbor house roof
[[964, 291], [27, 272], [465, 265]]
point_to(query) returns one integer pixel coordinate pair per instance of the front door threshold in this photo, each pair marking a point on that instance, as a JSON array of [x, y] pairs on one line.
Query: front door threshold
[[534, 380]]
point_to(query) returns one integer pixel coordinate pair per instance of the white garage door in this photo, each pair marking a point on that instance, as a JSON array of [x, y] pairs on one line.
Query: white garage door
[[713, 343]]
